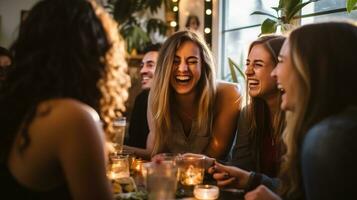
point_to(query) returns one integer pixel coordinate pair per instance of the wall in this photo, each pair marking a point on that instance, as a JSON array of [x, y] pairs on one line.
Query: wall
[[197, 7], [216, 34], [10, 12], [189, 7]]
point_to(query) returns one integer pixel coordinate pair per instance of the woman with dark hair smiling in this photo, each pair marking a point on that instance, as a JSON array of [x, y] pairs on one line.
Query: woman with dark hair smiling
[[68, 67]]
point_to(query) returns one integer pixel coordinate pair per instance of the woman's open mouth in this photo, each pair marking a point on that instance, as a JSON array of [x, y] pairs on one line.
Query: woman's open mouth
[[183, 79], [252, 83]]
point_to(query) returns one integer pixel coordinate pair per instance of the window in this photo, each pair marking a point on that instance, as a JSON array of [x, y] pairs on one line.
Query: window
[[334, 6], [239, 28]]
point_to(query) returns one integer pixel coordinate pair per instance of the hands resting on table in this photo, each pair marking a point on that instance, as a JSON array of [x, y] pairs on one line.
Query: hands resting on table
[[230, 176]]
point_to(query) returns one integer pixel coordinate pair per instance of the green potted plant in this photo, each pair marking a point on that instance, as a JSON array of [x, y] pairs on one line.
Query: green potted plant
[[289, 11]]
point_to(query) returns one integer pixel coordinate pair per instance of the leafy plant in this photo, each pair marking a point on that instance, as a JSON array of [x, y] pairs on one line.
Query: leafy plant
[[286, 12], [351, 5], [132, 27], [289, 10], [236, 71]]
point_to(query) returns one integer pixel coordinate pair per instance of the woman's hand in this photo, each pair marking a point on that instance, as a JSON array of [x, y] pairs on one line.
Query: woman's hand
[[229, 176], [261, 193]]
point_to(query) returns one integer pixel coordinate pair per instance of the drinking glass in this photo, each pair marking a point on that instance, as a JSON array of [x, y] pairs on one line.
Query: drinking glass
[[118, 167], [165, 157], [119, 134], [161, 180]]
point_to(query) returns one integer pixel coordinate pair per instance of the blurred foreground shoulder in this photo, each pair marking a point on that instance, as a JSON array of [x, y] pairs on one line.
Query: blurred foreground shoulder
[[69, 116]]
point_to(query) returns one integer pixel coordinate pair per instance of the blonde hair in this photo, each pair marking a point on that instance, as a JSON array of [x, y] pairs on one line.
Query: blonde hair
[[292, 137], [115, 81], [323, 58], [161, 94]]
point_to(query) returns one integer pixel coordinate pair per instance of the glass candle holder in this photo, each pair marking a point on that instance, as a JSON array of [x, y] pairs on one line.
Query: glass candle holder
[[118, 167], [207, 192], [191, 169], [131, 157], [137, 166]]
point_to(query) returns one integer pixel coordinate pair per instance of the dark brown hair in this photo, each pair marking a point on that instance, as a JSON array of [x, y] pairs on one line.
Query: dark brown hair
[[65, 49], [258, 112]]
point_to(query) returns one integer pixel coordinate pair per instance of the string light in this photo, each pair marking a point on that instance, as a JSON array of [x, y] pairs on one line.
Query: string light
[[208, 12], [175, 8], [173, 23], [206, 0], [176, 0], [207, 30]]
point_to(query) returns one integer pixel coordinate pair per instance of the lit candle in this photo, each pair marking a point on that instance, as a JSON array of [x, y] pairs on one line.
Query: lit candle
[[207, 192], [119, 168], [138, 166], [192, 176]]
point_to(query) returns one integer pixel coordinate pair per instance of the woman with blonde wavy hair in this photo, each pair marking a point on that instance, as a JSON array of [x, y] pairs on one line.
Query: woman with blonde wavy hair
[[188, 110], [316, 75], [68, 67]]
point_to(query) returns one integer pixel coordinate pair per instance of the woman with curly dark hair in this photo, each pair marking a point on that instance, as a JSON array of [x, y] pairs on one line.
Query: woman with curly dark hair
[[68, 66]]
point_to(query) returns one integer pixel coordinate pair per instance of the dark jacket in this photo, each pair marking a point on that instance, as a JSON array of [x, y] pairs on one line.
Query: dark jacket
[[329, 158], [138, 128]]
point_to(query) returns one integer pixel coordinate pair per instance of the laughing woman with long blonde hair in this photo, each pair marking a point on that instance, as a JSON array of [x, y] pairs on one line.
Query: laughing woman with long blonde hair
[[188, 110]]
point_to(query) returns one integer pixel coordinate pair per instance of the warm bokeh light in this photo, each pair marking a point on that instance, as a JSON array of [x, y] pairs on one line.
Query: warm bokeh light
[[208, 12], [207, 30], [173, 23], [175, 8]]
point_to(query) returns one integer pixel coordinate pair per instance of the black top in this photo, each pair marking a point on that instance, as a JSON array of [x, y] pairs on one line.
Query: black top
[[12, 189], [138, 128], [329, 158]]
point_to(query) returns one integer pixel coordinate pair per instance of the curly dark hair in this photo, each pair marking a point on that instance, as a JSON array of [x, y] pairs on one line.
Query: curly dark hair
[[63, 51]]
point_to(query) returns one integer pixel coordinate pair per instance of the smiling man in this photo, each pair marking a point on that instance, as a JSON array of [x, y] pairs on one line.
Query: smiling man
[[138, 129], [148, 65]]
